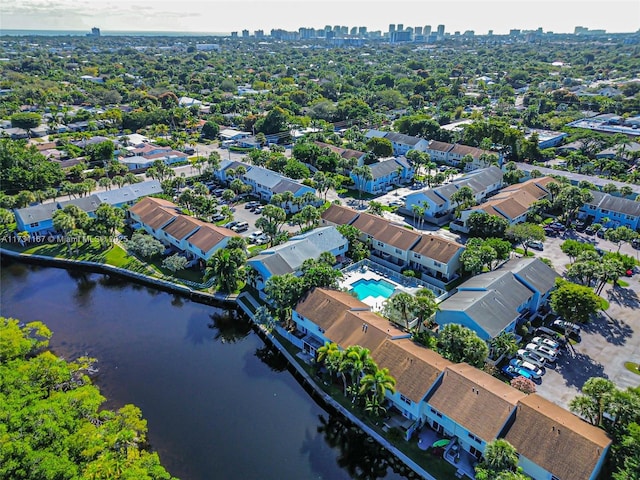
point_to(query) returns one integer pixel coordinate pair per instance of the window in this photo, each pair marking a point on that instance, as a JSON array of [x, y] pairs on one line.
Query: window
[[380, 244], [405, 399], [474, 438], [398, 251], [33, 225], [417, 255], [437, 264], [475, 452], [605, 212]]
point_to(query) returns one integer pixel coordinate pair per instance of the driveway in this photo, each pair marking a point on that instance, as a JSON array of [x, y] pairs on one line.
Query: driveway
[[611, 339]]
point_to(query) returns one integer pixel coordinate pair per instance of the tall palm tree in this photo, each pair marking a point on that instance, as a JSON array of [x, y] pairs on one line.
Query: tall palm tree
[[402, 304], [65, 223], [425, 305], [356, 361], [363, 174]]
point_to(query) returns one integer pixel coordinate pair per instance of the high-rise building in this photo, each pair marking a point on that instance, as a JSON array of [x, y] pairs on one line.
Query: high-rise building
[[400, 27], [362, 31], [440, 30], [354, 31], [417, 31], [95, 32], [245, 33], [258, 34], [392, 27], [427, 30]]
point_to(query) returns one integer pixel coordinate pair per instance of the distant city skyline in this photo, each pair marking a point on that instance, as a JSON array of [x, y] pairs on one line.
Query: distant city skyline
[[222, 16]]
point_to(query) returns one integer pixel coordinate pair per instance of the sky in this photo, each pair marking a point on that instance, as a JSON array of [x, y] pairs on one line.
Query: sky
[[223, 16]]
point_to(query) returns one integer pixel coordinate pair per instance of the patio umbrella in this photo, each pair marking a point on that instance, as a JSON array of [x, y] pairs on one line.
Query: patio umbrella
[[441, 443]]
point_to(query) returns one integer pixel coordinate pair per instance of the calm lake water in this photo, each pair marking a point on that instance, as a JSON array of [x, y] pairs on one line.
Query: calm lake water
[[219, 403]]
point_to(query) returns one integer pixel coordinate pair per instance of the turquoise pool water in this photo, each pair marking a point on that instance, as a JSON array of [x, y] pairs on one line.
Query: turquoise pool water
[[372, 288]]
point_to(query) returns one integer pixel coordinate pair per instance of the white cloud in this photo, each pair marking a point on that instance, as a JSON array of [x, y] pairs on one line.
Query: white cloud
[[228, 15]]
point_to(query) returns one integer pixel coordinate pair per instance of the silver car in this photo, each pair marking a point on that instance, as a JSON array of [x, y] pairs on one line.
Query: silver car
[[543, 351], [532, 358]]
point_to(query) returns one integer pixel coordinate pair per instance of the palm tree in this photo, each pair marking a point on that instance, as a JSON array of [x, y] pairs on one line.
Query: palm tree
[[224, 267], [504, 344], [105, 182], [375, 208], [356, 361], [425, 305], [418, 213], [330, 356], [65, 223], [377, 384], [463, 198], [402, 304], [500, 455], [363, 175]]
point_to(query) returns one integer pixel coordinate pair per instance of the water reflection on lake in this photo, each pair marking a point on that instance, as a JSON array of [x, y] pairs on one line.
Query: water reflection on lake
[[220, 404]]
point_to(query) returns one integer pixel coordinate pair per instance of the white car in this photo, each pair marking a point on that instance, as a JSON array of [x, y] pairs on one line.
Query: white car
[[546, 342], [543, 351], [532, 357], [254, 236]]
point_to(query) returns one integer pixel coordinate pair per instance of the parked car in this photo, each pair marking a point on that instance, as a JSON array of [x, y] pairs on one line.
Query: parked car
[[230, 224], [218, 192], [240, 227], [262, 239], [552, 344], [218, 217], [254, 235], [589, 230], [635, 243], [535, 244], [545, 352], [513, 372], [564, 326], [580, 226], [532, 358], [557, 226], [601, 232], [549, 333], [535, 372]]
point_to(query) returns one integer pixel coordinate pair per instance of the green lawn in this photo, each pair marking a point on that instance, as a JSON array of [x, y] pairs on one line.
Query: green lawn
[[114, 256]]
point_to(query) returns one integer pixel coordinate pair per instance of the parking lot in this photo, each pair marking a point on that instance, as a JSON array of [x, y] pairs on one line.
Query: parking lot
[[610, 340]]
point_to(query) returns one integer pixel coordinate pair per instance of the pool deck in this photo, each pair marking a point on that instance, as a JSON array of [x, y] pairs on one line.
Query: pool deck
[[376, 303]]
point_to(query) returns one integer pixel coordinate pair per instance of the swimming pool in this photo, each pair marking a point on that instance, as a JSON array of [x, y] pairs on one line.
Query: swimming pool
[[372, 288]]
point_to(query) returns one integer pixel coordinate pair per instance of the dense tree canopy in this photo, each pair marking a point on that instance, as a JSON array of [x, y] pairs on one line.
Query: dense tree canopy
[[53, 423], [24, 168]]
